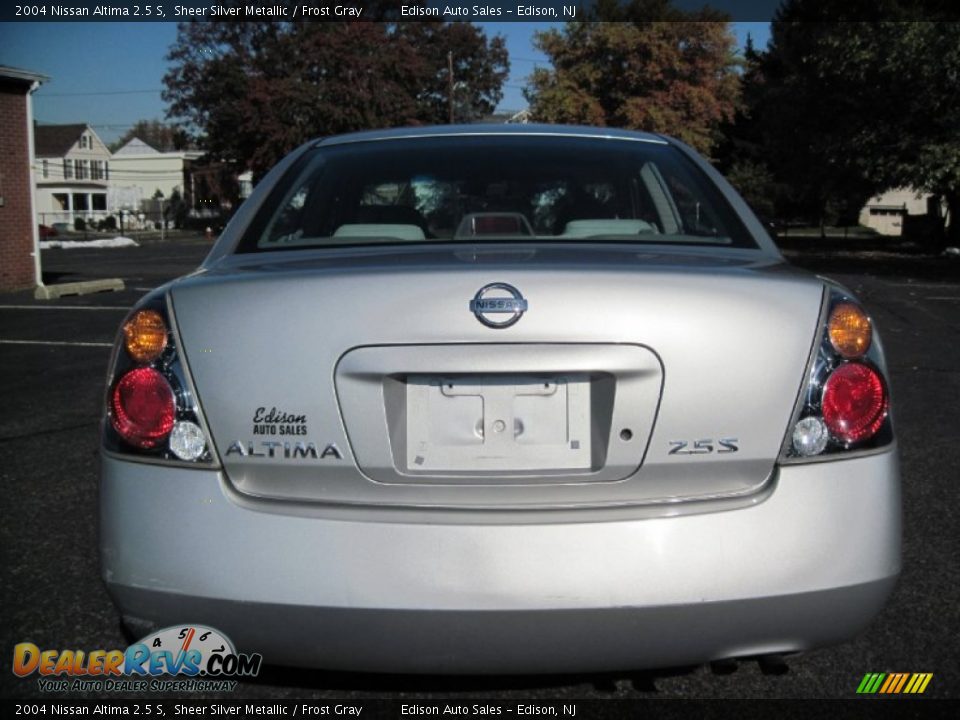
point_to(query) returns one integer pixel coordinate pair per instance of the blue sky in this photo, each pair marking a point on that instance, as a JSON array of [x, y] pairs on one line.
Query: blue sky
[[110, 74]]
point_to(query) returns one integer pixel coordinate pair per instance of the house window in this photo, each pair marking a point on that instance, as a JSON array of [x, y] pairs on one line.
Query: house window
[[82, 169], [96, 170], [67, 169], [46, 169], [99, 201], [106, 170]]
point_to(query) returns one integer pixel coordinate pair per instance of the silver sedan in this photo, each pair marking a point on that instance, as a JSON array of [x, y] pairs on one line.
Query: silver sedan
[[497, 399]]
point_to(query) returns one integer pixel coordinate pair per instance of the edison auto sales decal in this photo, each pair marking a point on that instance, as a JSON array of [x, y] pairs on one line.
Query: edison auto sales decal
[[277, 422]]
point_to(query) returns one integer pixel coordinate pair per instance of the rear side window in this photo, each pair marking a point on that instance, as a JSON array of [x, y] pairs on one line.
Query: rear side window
[[494, 188]]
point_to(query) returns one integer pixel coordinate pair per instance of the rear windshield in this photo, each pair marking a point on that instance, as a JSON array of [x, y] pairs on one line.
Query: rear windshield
[[494, 189]]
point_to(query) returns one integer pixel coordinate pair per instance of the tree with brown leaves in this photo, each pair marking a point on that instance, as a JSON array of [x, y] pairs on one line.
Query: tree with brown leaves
[[640, 65], [253, 91]]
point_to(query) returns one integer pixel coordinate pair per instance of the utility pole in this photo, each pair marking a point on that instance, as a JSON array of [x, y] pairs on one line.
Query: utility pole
[[163, 219], [450, 83]]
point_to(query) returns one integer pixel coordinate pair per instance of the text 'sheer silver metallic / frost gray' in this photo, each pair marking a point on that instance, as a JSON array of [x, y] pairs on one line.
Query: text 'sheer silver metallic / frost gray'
[[499, 399]]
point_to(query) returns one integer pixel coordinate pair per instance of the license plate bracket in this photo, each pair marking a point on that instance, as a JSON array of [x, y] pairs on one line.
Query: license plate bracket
[[498, 423]]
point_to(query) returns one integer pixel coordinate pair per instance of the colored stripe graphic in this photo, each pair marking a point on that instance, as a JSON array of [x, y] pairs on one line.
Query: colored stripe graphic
[[894, 683], [892, 678], [903, 680]]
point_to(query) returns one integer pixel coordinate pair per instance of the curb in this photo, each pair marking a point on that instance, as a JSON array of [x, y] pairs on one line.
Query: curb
[[51, 292]]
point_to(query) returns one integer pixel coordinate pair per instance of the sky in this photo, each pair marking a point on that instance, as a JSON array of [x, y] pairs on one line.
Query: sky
[[110, 75]]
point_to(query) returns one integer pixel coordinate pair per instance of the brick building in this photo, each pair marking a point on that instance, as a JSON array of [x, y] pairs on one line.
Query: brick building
[[19, 247]]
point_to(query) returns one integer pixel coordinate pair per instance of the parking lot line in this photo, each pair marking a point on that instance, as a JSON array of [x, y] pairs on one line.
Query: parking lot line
[[916, 284], [54, 342], [64, 307]]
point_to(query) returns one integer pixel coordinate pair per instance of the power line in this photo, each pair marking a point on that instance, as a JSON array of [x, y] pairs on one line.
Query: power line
[[102, 92]]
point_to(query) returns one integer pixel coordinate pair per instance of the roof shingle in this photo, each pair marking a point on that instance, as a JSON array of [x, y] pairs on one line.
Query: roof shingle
[[55, 140]]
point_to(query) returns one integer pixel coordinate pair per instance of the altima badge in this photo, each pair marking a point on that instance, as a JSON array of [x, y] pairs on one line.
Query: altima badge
[[283, 450], [498, 299]]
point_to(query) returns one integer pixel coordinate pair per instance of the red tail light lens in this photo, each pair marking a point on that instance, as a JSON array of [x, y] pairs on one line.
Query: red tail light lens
[[854, 402], [143, 407]]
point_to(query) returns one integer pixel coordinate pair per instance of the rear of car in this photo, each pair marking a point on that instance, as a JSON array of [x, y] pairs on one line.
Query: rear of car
[[500, 400]]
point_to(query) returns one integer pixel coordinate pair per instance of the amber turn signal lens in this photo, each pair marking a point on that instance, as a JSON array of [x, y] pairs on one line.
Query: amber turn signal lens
[[849, 329], [145, 335]]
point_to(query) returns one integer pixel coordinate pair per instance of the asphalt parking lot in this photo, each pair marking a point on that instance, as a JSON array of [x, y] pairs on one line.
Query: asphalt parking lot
[[53, 359]]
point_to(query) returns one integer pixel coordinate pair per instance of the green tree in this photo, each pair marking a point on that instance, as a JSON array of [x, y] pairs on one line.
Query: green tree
[[620, 67], [845, 109], [253, 91]]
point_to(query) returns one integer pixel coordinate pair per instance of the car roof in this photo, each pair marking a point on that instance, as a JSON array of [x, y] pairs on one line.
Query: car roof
[[493, 129]]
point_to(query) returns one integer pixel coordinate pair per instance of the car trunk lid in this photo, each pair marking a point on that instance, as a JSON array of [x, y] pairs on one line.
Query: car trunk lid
[[632, 377]]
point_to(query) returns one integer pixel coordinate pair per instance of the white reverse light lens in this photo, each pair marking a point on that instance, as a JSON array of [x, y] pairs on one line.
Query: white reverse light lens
[[810, 436], [187, 441]]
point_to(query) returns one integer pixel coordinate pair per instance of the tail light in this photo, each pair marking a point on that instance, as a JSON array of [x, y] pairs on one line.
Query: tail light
[[151, 408], [854, 402], [844, 405], [142, 407]]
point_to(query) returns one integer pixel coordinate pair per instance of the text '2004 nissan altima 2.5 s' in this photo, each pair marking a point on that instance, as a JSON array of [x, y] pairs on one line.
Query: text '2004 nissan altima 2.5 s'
[[500, 399]]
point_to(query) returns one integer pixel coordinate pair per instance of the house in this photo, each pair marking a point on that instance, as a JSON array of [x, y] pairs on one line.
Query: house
[[19, 243], [515, 117], [73, 172], [893, 211], [520, 118], [140, 174], [78, 179]]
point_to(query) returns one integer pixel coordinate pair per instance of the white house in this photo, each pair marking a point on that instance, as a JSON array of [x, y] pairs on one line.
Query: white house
[[139, 172], [888, 212], [78, 178], [72, 173]]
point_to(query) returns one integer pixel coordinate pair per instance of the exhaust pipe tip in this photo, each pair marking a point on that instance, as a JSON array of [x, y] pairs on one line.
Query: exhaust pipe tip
[[726, 666], [773, 664]]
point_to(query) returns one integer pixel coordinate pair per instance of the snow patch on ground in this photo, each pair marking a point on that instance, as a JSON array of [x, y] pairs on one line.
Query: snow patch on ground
[[952, 251], [102, 243]]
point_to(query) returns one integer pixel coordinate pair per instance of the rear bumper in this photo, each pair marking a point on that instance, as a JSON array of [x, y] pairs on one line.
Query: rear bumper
[[811, 565]]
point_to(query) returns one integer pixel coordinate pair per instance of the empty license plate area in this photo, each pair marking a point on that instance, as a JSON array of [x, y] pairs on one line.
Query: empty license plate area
[[464, 416], [481, 424]]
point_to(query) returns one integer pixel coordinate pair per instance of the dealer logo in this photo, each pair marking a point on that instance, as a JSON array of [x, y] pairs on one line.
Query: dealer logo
[[194, 652]]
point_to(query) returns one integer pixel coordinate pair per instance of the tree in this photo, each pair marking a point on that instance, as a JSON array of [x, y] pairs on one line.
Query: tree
[[619, 67], [155, 133], [740, 155], [908, 133], [846, 109], [253, 91], [479, 69]]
